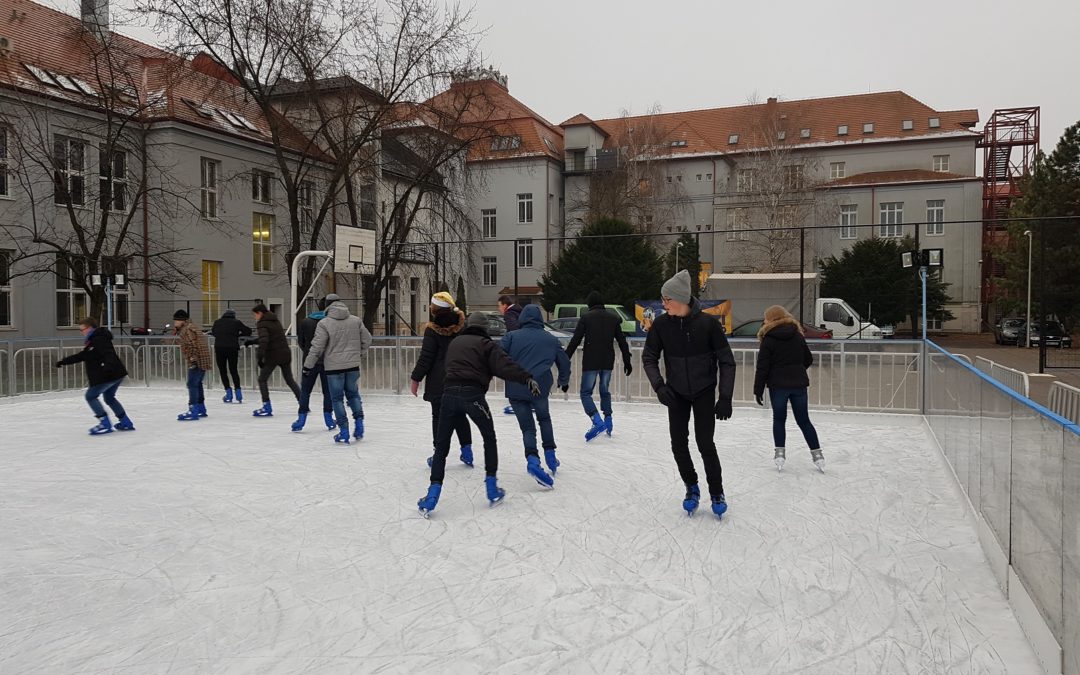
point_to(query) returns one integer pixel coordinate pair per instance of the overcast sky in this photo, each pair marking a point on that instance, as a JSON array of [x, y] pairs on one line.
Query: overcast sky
[[600, 58]]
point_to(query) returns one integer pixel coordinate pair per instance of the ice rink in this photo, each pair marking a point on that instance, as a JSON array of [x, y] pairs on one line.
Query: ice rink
[[233, 545]]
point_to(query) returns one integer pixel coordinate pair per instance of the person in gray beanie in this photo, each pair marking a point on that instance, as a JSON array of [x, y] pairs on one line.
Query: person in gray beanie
[[695, 353], [227, 332]]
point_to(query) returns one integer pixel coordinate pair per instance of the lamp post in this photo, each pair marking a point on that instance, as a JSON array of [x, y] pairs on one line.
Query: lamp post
[[1027, 323], [927, 258], [109, 281], [678, 245]]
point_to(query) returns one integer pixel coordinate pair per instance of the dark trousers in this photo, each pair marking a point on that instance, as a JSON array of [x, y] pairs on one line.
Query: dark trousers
[[307, 385], [458, 403], [267, 370], [464, 431], [107, 391], [799, 407], [524, 411], [195, 386], [228, 358], [703, 409]]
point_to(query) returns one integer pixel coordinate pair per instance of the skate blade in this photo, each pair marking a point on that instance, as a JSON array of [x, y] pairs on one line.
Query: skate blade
[[820, 464], [492, 503], [100, 433], [779, 464], [425, 513]]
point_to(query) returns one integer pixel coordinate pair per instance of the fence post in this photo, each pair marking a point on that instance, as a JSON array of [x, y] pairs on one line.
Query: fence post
[[398, 359], [922, 361], [843, 377]]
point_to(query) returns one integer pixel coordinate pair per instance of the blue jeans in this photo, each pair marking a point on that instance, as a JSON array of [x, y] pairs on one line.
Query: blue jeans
[[588, 382], [345, 386], [524, 411], [307, 385], [779, 399], [194, 386], [107, 391]]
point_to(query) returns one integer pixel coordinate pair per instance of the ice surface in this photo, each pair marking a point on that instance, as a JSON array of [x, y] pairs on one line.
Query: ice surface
[[233, 545]]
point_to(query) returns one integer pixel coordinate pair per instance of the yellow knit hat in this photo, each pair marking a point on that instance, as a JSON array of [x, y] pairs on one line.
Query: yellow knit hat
[[442, 299]]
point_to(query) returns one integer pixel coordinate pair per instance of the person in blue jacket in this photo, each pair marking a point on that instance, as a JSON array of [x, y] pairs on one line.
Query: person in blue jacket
[[536, 350]]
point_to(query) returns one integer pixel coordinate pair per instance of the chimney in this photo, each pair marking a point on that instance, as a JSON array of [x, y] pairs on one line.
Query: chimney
[[95, 17], [771, 100]]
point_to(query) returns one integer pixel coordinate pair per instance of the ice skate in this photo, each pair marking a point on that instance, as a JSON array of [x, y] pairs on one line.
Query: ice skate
[[690, 502], [358, 428], [125, 424], [104, 426], [552, 462], [265, 411], [819, 459], [495, 494], [328, 420], [537, 472], [719, 505], [608, 425], [597, 427], [191, 414], [466, 455], [301, 419], [227, 398], [427, 503], [779, 457]]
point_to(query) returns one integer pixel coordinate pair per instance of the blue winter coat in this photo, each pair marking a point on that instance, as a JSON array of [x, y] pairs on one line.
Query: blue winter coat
[[536, 350]]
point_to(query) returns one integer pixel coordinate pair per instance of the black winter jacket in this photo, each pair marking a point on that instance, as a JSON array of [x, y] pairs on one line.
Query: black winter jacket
[[472, 359], [305, 332], [431, 365], [694, 349], [599, 327], [99, 357], [273, 345], [512, 317], [227, 332], [782, 360]]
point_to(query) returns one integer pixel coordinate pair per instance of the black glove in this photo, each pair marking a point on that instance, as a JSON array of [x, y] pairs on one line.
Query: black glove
[[534, 387], [627, 369], [666, 395], [305, 372], [723, 409], [760, 401], [59, 364], [565, 388]]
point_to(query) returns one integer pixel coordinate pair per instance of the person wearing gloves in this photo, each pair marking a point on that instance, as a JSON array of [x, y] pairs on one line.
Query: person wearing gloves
[[340, 342], [536, 350], [695, 352], [304, 335], [781, 366], [447, 321], [598, 327], [104, 372], [472, 359], [227, 332], [273, 353], [195, 350]]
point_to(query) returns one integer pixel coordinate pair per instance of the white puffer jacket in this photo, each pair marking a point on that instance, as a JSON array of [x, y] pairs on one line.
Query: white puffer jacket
[[341, 340]]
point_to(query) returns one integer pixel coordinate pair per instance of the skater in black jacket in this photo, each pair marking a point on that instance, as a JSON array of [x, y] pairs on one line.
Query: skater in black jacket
[[598, 328], [695, 352], [227, 332], [104, 371]]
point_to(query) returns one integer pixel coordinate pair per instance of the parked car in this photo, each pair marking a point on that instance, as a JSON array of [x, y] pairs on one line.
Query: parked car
[[564, 337], [1009, 331], [496, 324], [573, 311], [567, 324], [1052, 332], [749, 329]]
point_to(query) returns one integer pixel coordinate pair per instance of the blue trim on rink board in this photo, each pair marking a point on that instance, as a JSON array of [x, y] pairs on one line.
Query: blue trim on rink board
[[1042, 410]]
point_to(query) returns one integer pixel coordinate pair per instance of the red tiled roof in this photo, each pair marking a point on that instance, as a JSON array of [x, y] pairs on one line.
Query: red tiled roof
[[711, 130], [899, 176], [50, 40]]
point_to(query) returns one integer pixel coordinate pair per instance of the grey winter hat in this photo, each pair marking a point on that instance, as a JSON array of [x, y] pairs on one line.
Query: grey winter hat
[[330, 297], [230, 313], [478, 320], [677, 287]]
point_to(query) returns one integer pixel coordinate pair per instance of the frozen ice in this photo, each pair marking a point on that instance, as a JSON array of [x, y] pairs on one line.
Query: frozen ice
[[234, 545]]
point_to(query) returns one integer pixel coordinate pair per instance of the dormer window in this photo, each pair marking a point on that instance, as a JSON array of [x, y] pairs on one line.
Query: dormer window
[[805, 133], [868, 128], [935, 122], [679, 143], [908, 125], [733, 139], [506, 143], [781, 135], [841, 130]]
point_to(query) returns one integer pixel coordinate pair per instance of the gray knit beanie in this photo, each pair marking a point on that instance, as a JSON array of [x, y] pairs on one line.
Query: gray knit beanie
[[477, 320], [677, 287]]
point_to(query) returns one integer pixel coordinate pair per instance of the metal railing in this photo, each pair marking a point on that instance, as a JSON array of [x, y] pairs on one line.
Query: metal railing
[[1018, 464], [1017, 380], [1065, 401]]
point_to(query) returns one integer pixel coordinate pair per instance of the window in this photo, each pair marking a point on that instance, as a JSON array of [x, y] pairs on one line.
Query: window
[[933, 323], [841, 130], [890, 219], [744, 180], [69, 160], [524, 252], [699, 177], [907, 125], [934, 122], [837, 170], [262, 227], [488, 217], [491, 270], [935, 217], [5, 186], [113, 180], [738, 225], [208, 204], [678, 178], [72, 302], [5, 287], [577, 160], [941, 162], [261, 186], [708, 176], [368, 210], [679, 143], [805, 133], [669, 179], [211, 291], [733, 139], [849, 218], [525, 207], [868, 128], [781, 135], [793, 177], [506, 143], [306, 197]]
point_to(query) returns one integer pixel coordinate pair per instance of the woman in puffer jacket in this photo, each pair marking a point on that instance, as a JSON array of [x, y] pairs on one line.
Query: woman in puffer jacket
[[781, 365]]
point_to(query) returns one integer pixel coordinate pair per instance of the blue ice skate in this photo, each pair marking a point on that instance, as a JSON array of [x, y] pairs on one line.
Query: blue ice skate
[[265, 411], [301, 420], [719, 505], [495, 494], [597, 427], [104, 426], [427, 503], [537, 472], [690, 502]]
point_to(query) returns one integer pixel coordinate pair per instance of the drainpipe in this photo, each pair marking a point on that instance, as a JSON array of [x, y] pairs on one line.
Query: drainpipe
[[145, 239]]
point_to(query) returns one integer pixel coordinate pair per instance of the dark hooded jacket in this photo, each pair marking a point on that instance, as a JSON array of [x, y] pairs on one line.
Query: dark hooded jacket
[[599, 328], [535, 350], [695, 351], [472, 359], [273, 345], [431, 366], [512, 317], [100, 358], [227, 332], [782, 359], [305, 332]]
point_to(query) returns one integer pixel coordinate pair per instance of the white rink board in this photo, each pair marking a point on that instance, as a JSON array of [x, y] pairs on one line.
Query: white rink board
[[233, 545]]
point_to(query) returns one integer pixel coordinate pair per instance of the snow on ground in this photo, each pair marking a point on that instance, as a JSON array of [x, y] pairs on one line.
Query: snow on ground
[[233, 545]]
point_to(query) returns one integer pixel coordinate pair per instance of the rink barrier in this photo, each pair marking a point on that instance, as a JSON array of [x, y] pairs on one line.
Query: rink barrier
[[1017, 380], [1017, 465], [1065, 401]]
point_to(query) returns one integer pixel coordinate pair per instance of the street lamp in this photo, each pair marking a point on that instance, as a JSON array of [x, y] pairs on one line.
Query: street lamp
[[678, 245], [109, 281], [1027, 323], [927, 258]]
